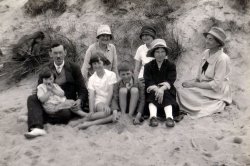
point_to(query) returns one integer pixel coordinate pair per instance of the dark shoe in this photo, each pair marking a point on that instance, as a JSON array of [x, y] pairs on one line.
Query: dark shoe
[[179, 118], [153, 122], [170, 122]]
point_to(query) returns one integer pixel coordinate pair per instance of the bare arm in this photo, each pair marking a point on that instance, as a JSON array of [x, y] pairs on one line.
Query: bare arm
[[110, 94], [57, 90]]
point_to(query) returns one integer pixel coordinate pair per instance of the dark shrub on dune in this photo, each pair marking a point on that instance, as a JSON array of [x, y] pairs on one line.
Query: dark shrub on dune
[[24, 61], [36, 7]]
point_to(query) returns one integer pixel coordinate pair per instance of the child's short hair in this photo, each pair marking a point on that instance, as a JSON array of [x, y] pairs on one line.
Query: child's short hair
[[46, 73], [124, 66], [98, 56]]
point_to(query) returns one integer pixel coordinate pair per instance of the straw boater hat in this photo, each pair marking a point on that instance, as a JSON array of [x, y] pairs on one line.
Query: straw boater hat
[[158, 43], [218, 33], [148, 30], [104, 29]]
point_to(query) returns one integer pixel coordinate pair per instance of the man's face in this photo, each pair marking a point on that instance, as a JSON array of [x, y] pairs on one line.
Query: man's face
[[58, 54], [126, 75]]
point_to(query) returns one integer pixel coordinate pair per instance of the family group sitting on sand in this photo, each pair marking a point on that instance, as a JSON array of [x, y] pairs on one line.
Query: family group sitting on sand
[[110, 90]]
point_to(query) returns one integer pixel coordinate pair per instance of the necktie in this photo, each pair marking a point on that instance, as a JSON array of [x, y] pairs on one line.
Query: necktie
[[58, 69], [204, 67]]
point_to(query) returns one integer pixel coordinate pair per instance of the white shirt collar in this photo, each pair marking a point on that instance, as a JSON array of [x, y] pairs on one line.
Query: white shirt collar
[[59, 68]]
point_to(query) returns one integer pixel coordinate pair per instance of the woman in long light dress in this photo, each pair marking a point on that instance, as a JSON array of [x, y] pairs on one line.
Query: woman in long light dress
[[210, 91]]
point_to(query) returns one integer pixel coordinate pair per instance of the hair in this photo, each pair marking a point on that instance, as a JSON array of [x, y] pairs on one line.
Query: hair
[[216, 39], [98, 56], [56, 44], [153, 51], [46, 73], [124, 66], [111, 37]]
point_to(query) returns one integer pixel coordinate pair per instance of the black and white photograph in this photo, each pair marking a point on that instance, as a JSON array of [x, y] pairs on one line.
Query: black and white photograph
[[124, 82]]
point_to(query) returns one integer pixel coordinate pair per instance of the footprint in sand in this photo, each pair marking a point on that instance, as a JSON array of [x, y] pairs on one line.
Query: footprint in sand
[[205, 145]]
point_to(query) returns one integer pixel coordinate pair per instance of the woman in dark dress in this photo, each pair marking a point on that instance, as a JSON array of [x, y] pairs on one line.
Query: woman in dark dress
[[160, 75]]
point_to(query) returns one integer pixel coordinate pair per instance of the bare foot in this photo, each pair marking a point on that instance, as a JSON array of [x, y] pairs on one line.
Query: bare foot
[[76, 122], [85, 125], [115, 116]]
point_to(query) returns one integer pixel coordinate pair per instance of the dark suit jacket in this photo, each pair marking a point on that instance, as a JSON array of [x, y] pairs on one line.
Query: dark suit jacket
[[74, 87], [154, 76]]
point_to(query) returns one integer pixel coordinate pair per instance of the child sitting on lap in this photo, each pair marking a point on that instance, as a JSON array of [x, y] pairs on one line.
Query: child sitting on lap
[[128, 93], [52, 96], [100, 86]]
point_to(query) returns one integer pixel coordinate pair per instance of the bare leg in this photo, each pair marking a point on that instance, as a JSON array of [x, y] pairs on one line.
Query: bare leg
[[133, 100], [123, 99], [97, 115], [101, 112], [96, 122]]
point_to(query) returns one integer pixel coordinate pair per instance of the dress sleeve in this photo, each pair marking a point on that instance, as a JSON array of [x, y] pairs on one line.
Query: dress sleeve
[[220, 70], [148, 77], [86, 66], [171, 74], [112, 78], [115, 63], [138, 55]]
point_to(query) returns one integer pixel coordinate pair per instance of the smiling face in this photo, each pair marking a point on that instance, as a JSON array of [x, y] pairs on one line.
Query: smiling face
[[104, 39], [126, 75], [58, 54], [147, 39], [211, 42], [160, 54]]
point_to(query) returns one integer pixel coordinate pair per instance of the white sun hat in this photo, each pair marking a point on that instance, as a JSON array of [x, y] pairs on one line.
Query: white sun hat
[[104, 29]]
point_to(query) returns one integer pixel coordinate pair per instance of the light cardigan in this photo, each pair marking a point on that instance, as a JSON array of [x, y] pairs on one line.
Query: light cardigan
[[109, 53]]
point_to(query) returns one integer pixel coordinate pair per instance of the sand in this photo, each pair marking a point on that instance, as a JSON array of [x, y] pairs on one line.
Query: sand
[[216, 140]]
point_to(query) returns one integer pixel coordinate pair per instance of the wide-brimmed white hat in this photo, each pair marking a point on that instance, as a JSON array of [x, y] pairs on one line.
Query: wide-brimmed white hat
[[104, 29], [157, 43], [218, 33]]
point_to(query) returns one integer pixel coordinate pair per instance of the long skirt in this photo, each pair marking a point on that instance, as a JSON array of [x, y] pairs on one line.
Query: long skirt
[[200, 102]]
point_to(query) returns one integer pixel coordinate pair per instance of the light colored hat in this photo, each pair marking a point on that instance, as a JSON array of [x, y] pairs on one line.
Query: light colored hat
[[104, 29], [218, 33], [157, 43]]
